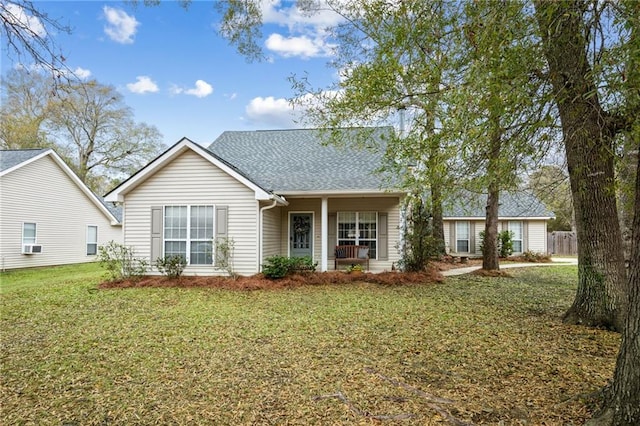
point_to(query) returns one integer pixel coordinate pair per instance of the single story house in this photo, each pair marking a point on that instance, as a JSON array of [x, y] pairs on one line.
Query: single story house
[[275, 192], [519, 212], [48, 216], [283, 192]]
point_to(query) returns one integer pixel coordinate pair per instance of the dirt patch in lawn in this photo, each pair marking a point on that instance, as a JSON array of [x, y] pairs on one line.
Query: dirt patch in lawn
[[260, 282]]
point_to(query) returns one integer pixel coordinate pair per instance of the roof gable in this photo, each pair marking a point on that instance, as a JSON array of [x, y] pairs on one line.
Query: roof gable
[[117, 194], [297, 160], [11, 160]]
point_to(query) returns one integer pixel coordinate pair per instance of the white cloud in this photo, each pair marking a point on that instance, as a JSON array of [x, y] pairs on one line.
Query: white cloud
[[120, 27], [15, 15], [293, 46], [292, 17], [307, 36], [271, 111], [82, 73], [202, 89], [143, 85]]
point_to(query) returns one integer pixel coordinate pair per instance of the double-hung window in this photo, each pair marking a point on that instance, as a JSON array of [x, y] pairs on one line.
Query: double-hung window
[[462, 236], [92, 240], [515, 227], [358, 228], [28, 233], [188, 232]]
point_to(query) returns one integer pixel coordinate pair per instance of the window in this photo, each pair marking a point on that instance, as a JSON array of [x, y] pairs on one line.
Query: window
[[462, 237], [358, 228], [28, 233], [92, 240], [515, 226], [189, 227]]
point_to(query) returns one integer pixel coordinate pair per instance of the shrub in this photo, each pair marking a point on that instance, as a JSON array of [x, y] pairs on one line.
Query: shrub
[[505, 243], [120, 262], [280, 266], [532, 256], [171, 266]]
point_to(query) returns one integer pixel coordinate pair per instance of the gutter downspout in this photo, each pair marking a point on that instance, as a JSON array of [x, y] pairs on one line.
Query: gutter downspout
[[260, 225]]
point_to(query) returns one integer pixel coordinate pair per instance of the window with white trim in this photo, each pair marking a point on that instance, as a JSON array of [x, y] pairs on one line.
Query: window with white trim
[[515, 226], [360, 229], [462, 237], [188, 232], [92, 240], [28, 233]]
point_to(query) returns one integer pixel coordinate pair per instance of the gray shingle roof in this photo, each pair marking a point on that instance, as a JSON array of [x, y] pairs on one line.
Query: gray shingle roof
[[512, 204], [12, 157], [296, 160]]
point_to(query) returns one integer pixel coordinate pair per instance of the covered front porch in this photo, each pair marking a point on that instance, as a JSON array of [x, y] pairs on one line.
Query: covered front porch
[[314, 225]]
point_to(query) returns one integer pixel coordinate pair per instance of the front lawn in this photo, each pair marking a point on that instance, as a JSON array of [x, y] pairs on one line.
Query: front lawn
[[483, 350]]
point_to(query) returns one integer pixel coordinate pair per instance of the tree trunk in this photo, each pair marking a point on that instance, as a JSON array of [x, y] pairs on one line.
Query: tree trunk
[[601, 296], [622, 406], [490, 260], [437, 216]]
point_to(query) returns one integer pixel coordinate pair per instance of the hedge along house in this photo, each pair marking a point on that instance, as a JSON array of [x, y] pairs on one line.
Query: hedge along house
[[519, 212], [48, 216], [277, 192]]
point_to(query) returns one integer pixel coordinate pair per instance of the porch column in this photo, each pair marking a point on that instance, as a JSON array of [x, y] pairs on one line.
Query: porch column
[[324, 234]]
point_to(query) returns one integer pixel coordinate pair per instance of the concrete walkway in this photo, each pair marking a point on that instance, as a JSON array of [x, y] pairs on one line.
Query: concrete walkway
[[555, 261]]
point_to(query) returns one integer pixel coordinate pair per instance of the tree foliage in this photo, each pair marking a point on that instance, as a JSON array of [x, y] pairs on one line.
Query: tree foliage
[[86, 122]]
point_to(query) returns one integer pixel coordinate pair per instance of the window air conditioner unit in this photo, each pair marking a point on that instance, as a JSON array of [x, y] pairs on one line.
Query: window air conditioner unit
[[31, 249]]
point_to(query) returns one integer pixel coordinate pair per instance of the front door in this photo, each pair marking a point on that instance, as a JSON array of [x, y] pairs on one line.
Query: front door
[[300, 234]]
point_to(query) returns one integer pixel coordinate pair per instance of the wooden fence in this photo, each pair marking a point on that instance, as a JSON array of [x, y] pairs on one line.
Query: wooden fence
[[562, 242]]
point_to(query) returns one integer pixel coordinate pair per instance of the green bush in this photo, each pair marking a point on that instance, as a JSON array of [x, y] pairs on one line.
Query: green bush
[[280, 266], [120, 262], [171, 266], [505, 243]]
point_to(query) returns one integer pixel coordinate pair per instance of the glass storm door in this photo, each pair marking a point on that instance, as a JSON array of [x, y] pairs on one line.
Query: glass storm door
[[300, 234]]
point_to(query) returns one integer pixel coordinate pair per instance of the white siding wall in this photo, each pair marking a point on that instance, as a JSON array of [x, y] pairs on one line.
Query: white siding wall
[[272, 231], [192, 180], [389, 205], [537, 233], [41, 192]]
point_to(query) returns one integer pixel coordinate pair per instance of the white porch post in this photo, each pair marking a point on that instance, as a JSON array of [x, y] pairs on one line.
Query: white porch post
[[324, 234]]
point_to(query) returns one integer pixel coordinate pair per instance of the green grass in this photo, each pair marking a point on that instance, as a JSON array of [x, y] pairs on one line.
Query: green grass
[[75, 355]]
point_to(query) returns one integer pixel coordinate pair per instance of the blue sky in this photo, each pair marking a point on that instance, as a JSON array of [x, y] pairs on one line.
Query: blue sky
[[178, 74]]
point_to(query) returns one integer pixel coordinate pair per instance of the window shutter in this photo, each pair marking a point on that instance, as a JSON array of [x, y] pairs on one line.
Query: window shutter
[[156, 233], [222, 229], [332, 220], [383, 236], [525, 235], [453, 243]]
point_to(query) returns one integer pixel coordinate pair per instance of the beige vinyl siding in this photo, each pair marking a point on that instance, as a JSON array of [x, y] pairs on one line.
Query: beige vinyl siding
[[191, 180], [389, 205], [42, 193], [448, 244], [534, 234], [272, 229], [537, 236]]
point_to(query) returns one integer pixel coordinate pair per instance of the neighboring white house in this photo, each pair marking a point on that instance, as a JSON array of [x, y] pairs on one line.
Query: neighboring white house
[[519, 212], [279, 192], [47, 215]]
